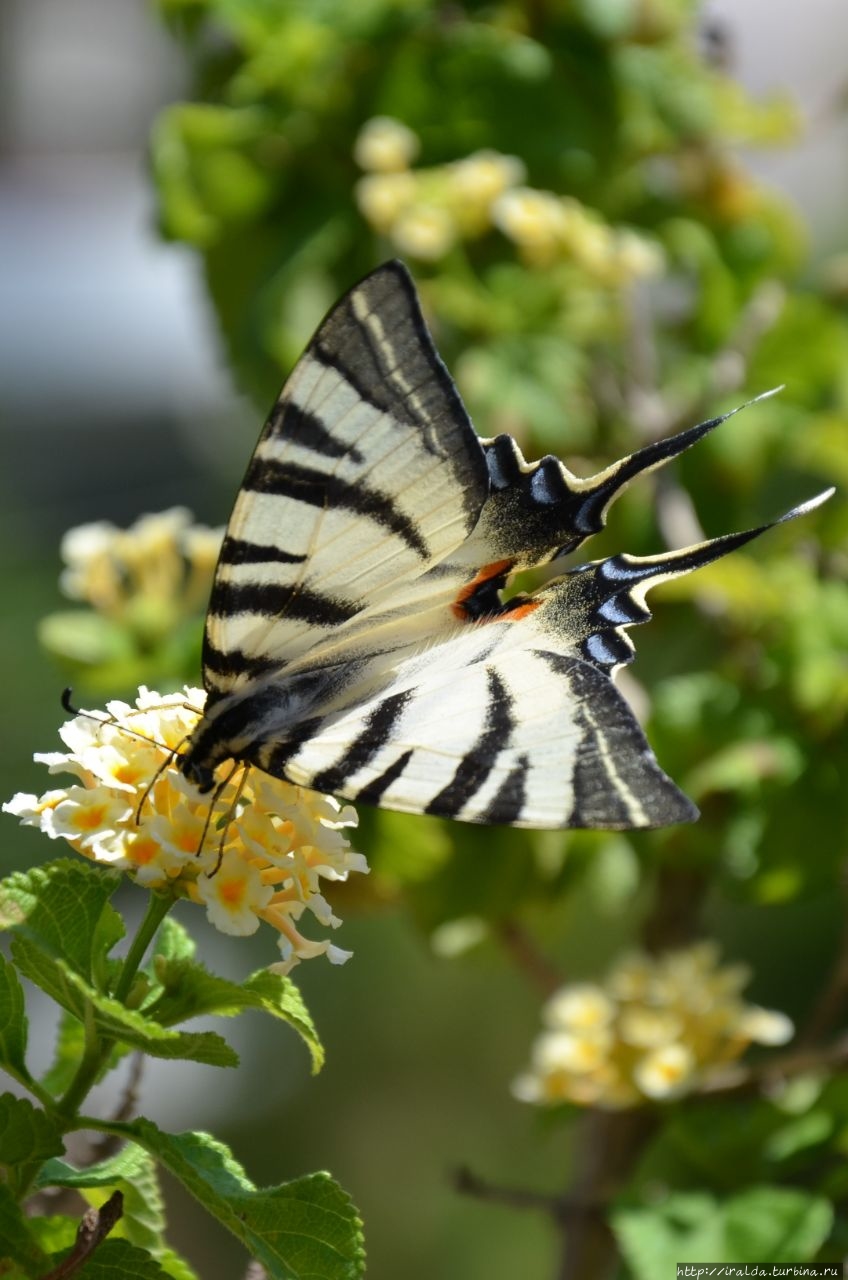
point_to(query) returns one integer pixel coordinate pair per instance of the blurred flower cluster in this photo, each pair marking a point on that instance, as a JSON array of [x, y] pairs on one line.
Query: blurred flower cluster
[[144, 587], [425, 212], [160, 563], [256, 849], [651, 1031]]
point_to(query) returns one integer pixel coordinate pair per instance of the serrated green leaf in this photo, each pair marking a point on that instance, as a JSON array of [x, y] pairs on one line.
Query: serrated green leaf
[[189, 990], [13, 1022], [17, 1243], [305, 1228], [279, 996], [118, 1258], [113, 1020], [133, 1172], [173, 941], [26, 1132], [70, 1044], [59, 907]]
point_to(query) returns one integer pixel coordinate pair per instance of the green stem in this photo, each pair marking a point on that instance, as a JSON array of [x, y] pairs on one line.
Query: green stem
[[157, 908], [97, 1050]]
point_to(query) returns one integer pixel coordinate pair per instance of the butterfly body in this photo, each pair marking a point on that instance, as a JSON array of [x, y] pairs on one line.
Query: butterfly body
[[356, 640]]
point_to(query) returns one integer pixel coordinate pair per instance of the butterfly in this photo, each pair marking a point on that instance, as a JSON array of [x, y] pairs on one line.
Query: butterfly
[[356, 640]]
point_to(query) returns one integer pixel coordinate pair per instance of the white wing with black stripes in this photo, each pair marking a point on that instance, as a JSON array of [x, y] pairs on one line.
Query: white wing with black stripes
[[356, 640]]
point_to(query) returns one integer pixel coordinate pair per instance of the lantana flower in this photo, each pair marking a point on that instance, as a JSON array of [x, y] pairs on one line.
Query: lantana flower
[[255, 849], [162, 561], [654, 1028]]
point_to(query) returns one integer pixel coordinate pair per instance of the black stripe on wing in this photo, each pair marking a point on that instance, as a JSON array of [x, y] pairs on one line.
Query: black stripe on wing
[[322, 489], [241, 551], [365, 746], [272, 600], [295, 425], [377, 340], [373, 791], [479, 760], [507, 804]]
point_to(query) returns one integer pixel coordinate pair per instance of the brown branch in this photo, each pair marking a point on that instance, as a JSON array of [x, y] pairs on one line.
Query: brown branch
[[764, 1077], [92, 1231], [521, 949], [560, 1207]]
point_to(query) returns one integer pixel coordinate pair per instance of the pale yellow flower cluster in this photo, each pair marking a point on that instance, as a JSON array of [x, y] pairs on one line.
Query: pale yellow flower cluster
[[425, 212], [652, 1030], [162, 564], [547, 228], [258, 849]]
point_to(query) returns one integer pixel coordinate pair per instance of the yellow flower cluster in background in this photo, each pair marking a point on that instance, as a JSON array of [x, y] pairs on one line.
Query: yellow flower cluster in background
[[425, 212], [161, 564], [651, 1031], [256, 850]]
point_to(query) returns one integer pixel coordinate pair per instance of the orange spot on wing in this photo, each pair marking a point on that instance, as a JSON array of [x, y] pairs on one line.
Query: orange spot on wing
[[486, 574], [520, 611]]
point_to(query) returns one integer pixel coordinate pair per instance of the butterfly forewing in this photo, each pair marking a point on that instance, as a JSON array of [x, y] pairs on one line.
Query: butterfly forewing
[[368, 473]]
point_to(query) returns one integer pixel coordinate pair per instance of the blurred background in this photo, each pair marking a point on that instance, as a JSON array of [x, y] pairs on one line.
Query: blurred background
[[179, 202]]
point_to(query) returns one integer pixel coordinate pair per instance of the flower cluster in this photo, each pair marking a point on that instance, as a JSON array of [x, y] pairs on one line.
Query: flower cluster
[[651, 1030], [547, 228], [162, 564], [425, 212], [255, 849]]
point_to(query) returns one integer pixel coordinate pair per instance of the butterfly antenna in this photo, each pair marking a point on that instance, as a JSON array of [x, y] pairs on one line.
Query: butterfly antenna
[[230, 813], [216, 795], [172, 752]]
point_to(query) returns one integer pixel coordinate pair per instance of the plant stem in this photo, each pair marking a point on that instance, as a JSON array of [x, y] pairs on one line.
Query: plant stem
[[97, 1050], [157, 908]]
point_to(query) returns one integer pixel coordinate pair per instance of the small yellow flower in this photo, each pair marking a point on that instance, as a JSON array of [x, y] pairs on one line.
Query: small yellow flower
[[425, 231], [475, 183], [385, 145], [665, 1071], [383, 197], [260, 851], [537, 221], [580, 1007]]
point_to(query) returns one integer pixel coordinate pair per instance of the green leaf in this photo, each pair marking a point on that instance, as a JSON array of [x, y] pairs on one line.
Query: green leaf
[[133, 1172], [113, 1020], [305, 1228], [81, 639], [70, 1045], [16, 1240], [59, 906], [27, 1133], [776, 1224], [279, 996], [13, 1022], [686, 1227], [173, 942], [189, 990], [116, 1257], [763, 1224]]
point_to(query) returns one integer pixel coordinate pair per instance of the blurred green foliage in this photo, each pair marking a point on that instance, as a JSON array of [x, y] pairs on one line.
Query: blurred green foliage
[[628, 277]]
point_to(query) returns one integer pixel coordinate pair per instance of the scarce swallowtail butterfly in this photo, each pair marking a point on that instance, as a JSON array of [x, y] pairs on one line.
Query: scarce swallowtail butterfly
[[356, 640]]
